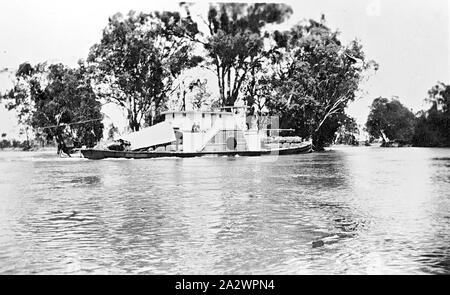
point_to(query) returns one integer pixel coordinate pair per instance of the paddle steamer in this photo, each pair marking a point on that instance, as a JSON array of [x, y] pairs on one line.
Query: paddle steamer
[[224, 132]]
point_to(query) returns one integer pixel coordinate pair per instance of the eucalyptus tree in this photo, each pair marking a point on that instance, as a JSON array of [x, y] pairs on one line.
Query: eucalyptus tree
[[236, 43], [57, 102], [314, 77], [347, 132], [138, 59]]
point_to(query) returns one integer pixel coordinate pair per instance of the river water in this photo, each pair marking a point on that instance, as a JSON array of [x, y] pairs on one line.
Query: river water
[[368, 210]]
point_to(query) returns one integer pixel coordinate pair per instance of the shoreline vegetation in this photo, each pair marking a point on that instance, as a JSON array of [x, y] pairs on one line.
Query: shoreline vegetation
[[397, 125], [305, 75], [34, 149]]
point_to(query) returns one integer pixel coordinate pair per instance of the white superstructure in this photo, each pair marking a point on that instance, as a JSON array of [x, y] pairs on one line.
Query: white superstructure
[[228, 129], [222, 130]]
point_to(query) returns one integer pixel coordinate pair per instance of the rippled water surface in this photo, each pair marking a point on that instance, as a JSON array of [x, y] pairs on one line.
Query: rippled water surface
[[368, 210]]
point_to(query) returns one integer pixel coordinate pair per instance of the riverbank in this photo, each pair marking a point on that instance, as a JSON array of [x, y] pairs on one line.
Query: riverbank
[[34, 149]]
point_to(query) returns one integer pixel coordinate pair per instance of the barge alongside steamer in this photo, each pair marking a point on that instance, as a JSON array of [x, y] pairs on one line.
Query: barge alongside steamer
[[228, 132]]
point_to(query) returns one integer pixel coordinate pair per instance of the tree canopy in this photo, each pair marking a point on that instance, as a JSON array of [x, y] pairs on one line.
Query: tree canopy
[[433, 125], [235, 43], [390, 120], [53, 99], [315, 76], [138, 58]]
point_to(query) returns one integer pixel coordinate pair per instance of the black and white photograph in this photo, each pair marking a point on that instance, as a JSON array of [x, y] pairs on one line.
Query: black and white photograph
[[224, 138]]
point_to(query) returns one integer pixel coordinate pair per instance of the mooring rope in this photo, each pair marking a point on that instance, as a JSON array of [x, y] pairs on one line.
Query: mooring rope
[[68, 124]]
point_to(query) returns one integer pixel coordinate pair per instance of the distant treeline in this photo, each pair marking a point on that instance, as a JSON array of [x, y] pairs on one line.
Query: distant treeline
[[26, 144], [390, 120], [4, 143]]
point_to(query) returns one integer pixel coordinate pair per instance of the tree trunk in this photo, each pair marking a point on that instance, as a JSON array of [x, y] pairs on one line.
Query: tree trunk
[[62, 148], [132, 121], [317, 142], [385, 138], [134, 126], [229, 86]]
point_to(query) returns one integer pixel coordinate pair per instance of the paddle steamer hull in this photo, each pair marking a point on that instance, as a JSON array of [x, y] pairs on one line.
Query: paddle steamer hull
[[95, 154]]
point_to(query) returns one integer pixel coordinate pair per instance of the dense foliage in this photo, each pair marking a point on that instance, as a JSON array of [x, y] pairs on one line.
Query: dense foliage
[[4, 143], [139, 57], [390, 120], [315, 77], [53, 100], [433, 126], [347, 132], [235, 43]]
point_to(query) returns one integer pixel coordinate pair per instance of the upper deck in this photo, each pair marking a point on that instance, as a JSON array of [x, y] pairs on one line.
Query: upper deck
[[225, 118]]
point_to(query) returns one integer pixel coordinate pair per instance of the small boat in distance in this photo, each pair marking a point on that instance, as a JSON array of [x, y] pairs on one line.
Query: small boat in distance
[[226, 132]]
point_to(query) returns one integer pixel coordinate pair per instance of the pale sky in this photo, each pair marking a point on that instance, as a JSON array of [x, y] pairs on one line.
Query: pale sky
[[408, 38]]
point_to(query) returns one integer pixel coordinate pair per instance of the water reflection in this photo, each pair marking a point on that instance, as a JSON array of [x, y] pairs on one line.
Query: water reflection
[[362, 210]]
